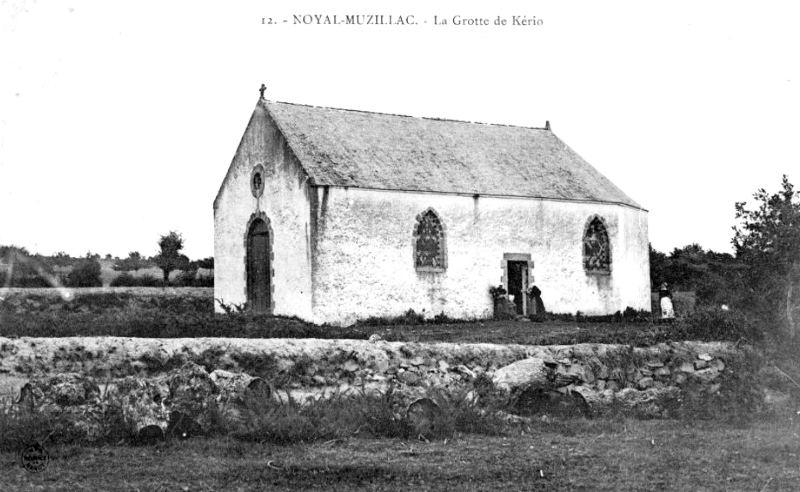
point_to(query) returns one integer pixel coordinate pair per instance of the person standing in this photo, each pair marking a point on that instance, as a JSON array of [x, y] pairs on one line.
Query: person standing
[[665, 301], [536, 306]]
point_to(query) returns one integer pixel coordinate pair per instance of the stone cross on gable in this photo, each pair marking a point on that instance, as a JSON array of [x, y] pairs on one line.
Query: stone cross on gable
[[262, 89]]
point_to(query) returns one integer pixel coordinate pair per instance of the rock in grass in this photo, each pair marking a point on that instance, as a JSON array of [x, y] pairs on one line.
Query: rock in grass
[[192, 396], [423, 414], [144, 406], [63, 390], [71, 400], [238, 386]]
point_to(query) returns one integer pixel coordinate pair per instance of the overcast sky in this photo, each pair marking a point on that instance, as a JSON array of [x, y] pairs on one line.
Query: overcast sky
[[118, 120]]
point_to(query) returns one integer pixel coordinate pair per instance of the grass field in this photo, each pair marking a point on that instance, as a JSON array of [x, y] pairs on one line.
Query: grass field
[[560, 455], [170, 313]]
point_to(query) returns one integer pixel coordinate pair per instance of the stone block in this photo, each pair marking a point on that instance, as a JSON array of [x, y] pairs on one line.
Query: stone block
[[645, 383], [662, 372], [522, 375], [705, 376]]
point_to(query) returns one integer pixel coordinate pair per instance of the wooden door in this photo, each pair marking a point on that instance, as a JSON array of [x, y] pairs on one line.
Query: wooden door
[[259, 295]]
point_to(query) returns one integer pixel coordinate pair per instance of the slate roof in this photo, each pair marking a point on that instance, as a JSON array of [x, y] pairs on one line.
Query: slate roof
[[339, 147]]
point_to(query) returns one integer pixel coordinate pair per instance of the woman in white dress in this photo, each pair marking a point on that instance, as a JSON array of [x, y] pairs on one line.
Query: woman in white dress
[[665, 300]]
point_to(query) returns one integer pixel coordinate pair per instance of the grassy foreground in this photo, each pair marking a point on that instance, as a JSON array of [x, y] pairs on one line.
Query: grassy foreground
[[155, 314], [574, 455]]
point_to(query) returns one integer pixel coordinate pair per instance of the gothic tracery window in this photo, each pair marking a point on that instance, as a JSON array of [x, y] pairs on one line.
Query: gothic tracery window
[[429, 247], [596, 248]]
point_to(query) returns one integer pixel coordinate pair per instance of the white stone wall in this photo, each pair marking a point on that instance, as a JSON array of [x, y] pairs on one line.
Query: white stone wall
[[364, 263], [285, 202]]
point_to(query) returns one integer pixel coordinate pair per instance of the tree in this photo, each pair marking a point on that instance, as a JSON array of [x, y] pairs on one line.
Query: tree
[[85, 273], [170, 257], [768, 243], [62, 259], [134, 262], [658, 267], [206, 263], [714, 277]]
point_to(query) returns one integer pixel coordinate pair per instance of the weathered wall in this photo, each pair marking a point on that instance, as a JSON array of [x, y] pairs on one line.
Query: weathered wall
[[364, 261], [642, 381], [284, 202]]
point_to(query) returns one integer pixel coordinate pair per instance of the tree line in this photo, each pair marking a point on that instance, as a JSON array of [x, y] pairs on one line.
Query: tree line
[[762, 276], [29, 270]]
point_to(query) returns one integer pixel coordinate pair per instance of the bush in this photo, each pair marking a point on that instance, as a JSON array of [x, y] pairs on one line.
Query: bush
[[128, 280], [189, 278], [410, 317], [185, 279], [123, 280], [86, 273], [27, 282], [714, 324]]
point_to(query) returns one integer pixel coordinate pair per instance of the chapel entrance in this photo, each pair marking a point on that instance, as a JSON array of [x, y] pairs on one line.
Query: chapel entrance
[[259, 267], [518, 283]]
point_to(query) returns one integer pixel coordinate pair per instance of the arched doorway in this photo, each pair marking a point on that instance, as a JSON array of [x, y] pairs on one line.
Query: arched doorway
[[259, 267]]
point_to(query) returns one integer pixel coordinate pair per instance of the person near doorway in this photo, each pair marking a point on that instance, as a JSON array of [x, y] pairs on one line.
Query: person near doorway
[[665, 301], [536, 305]]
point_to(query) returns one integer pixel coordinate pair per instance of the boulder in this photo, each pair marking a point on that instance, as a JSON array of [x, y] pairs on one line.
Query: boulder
[[192, 396], [422, 414], [705, 376], [61, 390], [236, 392], [598, 401], [523, 375], [143, 403], [71, 399], [238, 386]]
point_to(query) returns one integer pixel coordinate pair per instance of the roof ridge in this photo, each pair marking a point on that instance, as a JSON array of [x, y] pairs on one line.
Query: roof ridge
[[432, 118]]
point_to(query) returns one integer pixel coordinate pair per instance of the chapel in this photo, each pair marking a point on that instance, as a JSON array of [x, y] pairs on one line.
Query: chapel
[[334, 215]]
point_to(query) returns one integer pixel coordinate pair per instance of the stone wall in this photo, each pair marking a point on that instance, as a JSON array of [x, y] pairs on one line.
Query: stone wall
[[601, 374]]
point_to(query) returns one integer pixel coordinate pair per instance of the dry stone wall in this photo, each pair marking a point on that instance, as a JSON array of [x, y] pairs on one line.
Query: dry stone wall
[[645, 381]]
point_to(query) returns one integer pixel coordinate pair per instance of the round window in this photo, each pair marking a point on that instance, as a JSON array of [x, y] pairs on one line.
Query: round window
[[257, 182]]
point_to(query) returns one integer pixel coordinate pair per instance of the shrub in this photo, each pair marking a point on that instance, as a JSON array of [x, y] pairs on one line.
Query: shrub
[[410, 317], [123, 280], [27, 282], [189, 278], [185, 279], [204, 281], [714, 324], [86, 273], [127, 280]]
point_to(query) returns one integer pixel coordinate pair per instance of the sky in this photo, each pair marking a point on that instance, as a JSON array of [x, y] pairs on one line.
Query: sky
[[118, 120]]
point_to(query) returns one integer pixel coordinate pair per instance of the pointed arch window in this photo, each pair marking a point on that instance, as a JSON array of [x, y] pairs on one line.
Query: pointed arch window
[[430, 253], [596, 247]]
